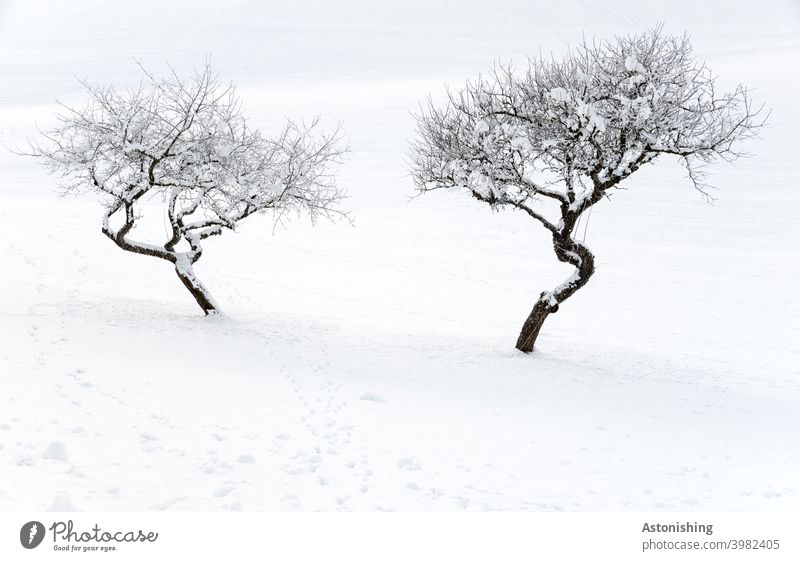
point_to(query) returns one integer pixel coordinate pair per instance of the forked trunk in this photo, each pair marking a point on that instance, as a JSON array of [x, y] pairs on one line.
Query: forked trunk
[[183, 261], [190, 281]]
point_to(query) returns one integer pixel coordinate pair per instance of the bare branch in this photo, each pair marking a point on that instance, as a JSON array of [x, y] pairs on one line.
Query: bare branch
[[571, 129], [185, 141]]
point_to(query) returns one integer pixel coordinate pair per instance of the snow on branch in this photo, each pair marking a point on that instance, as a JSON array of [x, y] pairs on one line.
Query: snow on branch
[[187, 140], [571, 129], [555, 138]]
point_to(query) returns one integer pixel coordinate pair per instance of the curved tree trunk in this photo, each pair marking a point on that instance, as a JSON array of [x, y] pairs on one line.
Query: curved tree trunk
[[183, 261], [192, 283], [568, 251]]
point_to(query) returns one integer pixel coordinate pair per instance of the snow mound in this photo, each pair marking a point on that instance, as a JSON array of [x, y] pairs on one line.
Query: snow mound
[[56, 450]]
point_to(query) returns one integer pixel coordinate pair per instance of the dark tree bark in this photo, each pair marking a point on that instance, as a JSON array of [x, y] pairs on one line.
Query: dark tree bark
[[532, 325], [568, 251], [193, 285], [183, 261]]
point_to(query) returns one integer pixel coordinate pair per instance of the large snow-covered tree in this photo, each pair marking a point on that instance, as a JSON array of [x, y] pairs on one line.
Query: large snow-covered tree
[[560, 136], [185, 144]]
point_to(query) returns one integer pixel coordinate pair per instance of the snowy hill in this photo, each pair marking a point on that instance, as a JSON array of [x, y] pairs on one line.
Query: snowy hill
[[372, 366]]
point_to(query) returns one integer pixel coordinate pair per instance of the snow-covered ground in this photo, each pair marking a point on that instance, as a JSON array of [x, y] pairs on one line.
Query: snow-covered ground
[[372, 366]]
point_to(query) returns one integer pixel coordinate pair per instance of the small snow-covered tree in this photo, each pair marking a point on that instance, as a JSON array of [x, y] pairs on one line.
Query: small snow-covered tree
[[556, 139], [184, 143]]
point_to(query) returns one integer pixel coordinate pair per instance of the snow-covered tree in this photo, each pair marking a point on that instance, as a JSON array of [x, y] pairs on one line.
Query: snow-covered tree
[[557, 138], [185, 143]]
